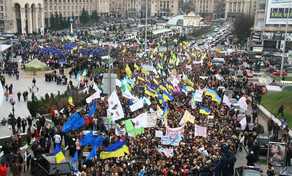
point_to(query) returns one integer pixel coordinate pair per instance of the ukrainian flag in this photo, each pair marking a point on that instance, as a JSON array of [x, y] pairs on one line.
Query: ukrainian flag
[[128, 71], [204, 110], [140, 78], [189, 87], [117, 149], [161, 100], [150, 92], [164, 114], [136, 67], [58, 154], [211, 93], [160, 66], [216, 99], [84, 72], [169, 86], [155, 80], [162, 86], [166, 96], [70, 99]]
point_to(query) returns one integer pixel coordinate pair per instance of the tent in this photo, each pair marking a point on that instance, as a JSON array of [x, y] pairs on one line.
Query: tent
[[36, 65]]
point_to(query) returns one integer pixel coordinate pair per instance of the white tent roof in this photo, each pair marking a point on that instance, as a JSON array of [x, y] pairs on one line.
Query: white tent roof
[[4, 47], [160, 31]]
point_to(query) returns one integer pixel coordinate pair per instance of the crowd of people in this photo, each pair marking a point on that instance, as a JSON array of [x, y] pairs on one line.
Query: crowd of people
[[224, 137]]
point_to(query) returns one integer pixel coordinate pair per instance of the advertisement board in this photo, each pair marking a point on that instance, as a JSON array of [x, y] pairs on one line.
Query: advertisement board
[[277, 154], [277, 11]]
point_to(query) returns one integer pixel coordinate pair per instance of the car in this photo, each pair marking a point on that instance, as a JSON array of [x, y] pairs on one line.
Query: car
[[261, 88], [278, 73], [287, 171], [231, 71], [248, 171], [248, 73], [239, 74], [246, 65], [264, 140]]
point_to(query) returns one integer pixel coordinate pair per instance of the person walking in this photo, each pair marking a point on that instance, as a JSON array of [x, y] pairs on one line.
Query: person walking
[[18, 95], [18, 121], [34, 81], [6, 95], [280, 111], [27, 158], [23, 124]]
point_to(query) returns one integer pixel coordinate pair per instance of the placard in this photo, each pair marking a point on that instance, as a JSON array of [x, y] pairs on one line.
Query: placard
[[159, 134]]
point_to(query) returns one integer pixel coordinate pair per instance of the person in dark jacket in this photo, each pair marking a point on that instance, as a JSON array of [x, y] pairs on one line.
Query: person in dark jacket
[[23, 124], [29, 121], [280, 111], [224, 166], [18, 121], [251, 159]]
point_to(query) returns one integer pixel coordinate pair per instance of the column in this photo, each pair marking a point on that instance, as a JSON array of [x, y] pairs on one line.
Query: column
[[14, 26], [41, 17], [35, 19], [22, 19], [29, 20]]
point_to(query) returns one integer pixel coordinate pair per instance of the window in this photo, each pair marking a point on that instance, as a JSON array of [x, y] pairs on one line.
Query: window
[[262, 4], [260, 22]]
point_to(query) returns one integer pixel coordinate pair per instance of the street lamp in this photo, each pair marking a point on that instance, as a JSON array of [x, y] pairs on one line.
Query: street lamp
[[13, 116], [71, 24]]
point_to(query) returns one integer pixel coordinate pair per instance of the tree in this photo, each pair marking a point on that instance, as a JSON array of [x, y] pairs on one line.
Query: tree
[[61, 21], [242, 25], [114, 28], [94, 16], [52, 22], [57, 21], [84, 18]]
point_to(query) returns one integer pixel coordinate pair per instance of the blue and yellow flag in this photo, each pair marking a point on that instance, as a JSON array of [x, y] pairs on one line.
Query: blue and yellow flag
[[214, 95], [117, 149], [160, 65], [70, 99], [84, 72], [189, 87], [204, 110], [74, 163], [166, 96], [155, 80], [58, 154], [161, 100]]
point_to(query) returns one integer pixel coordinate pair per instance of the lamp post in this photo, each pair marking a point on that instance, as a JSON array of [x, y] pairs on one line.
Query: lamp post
[[71, 24], [285, 39], [146, 26], [13, 116]]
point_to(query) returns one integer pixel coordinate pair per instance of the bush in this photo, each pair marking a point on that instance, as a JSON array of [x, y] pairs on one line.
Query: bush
[[44, 105]]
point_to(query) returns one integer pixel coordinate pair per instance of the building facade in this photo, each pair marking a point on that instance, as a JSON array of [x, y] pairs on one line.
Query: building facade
[[236, 7], [270, 25], [32, 16], [164, 7]]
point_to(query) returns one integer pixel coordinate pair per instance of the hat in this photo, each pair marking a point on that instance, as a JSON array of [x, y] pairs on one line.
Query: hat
[[251, 152]]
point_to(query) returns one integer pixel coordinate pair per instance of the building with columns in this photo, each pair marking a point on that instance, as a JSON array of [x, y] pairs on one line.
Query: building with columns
[[164, 7], [236, 7]]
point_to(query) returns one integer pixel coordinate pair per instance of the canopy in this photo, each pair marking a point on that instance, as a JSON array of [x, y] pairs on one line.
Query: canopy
[[36, 65]]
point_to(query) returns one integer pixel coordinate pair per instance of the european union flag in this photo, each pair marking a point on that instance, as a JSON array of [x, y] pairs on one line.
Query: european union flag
[[92, 110], [74, 163], [92, 153], [74, 122], [86, 140], [97, 142]]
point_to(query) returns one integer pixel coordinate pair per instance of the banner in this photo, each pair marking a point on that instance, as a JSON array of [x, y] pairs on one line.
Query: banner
[[242, 103], [151, 119], [159, 134], [278, 11], [141, 120], [198, 95], [200, 131], [165, 140], [120, 132], [172, 132]]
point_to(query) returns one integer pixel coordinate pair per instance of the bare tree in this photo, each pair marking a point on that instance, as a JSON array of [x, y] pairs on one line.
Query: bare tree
[[242, 24]]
